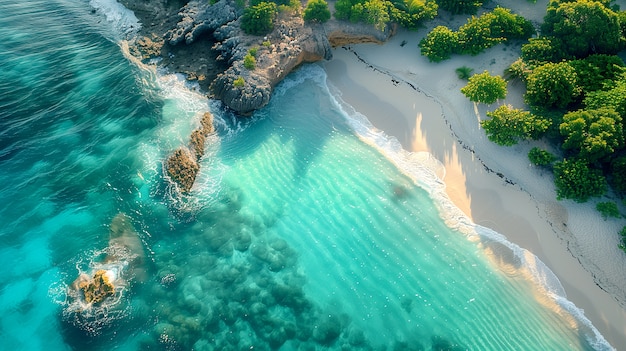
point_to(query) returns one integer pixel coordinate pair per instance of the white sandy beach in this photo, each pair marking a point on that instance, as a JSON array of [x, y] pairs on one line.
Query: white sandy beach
[[420, 104]]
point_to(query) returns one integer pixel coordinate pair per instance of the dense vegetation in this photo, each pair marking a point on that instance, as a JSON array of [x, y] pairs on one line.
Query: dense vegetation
[[259, 19], [408, 13], [478, 34], [575, 90], [316, 11]]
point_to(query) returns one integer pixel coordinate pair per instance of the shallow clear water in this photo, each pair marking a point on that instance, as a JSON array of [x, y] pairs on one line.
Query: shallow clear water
[[306, 228]]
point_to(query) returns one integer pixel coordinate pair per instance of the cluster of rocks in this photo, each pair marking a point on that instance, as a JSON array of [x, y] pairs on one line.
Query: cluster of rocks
[[204, 40], [182, 165]]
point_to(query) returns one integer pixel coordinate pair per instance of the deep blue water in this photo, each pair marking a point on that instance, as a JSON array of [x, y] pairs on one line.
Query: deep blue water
[[306, 229]]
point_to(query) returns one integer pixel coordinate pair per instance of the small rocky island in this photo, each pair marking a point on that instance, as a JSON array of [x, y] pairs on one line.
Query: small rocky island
[[204, 40]]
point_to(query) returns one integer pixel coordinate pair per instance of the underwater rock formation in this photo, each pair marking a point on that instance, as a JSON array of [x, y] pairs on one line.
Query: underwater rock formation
[[123, 260]]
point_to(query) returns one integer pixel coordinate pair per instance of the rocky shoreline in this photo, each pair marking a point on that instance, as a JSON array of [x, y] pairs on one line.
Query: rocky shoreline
[[204, 42]]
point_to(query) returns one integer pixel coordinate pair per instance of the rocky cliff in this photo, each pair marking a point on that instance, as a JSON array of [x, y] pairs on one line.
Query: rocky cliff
[[177, 34]]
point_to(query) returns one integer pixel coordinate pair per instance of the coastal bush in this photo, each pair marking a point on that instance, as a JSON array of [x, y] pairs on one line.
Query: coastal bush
[[575, 180], [412, 13], [239, 82], [317, 11], [592, 134], [508, 125], [485, 88], [253, 51], [611, 96], [491, 28], [518, 69], [542, 50], [464, 72], [439, 44], [618, 175], [622, 235], [249, 62], [259, 19], [585, 27], [597, 71], [540, 157], [408, 13], [552, 85], [608, 210], [478, 34], [460, 6]]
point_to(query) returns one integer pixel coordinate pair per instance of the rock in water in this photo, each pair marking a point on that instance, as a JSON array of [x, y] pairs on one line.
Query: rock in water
[[182, 167], [96, 289]]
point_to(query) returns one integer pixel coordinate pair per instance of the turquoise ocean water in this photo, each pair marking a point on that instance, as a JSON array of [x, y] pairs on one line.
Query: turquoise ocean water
[[306, 230]]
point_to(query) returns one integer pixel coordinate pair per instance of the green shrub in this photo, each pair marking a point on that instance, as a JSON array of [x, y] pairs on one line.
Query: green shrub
[[267, 44], [253, 51], [439, 44], [259, 19], [249, 62], [239, 82], [485, 88], [577, 181], [316, 11], [540, 157], [464, 72], [622, 234], [608, 209]]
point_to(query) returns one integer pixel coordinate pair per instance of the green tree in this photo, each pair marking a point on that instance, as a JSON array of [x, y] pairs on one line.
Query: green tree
[[543, 49], [439, 44], [594, 134], [317, 11], [460, 6], [491, 28], [577, 181], [618, 175], [611, 96], [508, 125], [552, 85], [411, 13], [584, 26], [608, 209], [485, 88], [540, 157], [377, 13], [343, 9], [259, 19], [596, 71], [622, 235]]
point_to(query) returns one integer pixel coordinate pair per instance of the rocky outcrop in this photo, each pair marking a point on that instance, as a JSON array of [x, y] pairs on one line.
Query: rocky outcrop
[[290, 44], [198, 17], [182, 165], [97, 288]]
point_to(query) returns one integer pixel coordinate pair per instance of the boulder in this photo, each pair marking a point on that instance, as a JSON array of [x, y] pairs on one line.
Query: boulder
[[198, 17], [97, 288], [182, 167]]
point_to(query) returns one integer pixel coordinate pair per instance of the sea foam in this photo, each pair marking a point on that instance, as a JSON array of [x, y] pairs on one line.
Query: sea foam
[[123, 21]]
